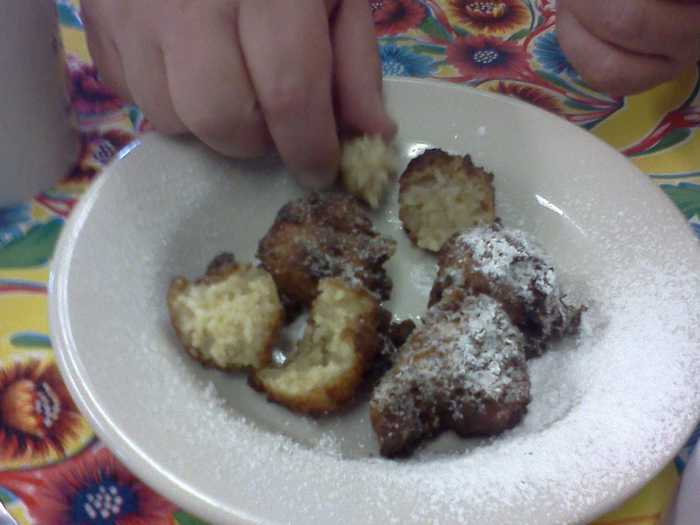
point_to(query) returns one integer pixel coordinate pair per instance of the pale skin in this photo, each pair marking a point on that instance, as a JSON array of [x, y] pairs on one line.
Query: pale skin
[[247, 75], [627, 46], [250, 76]]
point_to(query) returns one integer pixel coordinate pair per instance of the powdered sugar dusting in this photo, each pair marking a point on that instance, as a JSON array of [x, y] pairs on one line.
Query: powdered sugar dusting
[[518, 272], [577, 397], [607, 409], [506, 256], [475, 351]]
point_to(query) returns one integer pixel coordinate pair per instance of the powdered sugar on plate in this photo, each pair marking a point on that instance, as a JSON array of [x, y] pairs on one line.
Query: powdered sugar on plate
[[590, 400], [608, 410], [575, 394]]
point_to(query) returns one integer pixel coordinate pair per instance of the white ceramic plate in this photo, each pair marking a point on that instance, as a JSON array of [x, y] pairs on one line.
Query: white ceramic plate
[[608, 409]]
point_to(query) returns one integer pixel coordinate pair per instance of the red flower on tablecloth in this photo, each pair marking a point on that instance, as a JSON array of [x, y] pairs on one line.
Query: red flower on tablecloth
[[527, 93], [491, 16], [392, 17], [93, 489], [485, 57], [546, 7], [96, 150], [37, 415], [89, 95]]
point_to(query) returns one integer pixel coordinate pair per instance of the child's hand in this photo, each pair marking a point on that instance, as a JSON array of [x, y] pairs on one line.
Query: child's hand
[[626, 46], [243, 75]]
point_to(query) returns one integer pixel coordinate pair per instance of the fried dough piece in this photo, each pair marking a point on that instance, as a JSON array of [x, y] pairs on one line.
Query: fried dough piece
[[340, 341], [230, 318], [441, 194], [463, 369], [324, 235], [367, 164], [511, 267]]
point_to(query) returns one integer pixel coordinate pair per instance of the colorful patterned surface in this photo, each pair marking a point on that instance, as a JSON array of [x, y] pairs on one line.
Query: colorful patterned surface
[[53, 471]]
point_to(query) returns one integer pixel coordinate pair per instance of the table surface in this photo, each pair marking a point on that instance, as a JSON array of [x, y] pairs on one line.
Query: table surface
[[52, 467]]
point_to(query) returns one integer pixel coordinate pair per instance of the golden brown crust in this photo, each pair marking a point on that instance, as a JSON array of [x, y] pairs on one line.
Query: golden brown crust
[[335, 393], [284, 253], [420, 174], [321, 236], [221, 263], [219, 269], [431, 158]]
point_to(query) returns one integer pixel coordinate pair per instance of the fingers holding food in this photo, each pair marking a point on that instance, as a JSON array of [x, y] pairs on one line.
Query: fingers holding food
[[367, 165]]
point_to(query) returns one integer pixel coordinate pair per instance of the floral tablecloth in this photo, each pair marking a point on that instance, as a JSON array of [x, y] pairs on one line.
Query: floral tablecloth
[[54, 471]]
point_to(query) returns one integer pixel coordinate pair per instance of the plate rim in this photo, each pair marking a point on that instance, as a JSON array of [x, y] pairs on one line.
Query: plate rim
[[130, 453]]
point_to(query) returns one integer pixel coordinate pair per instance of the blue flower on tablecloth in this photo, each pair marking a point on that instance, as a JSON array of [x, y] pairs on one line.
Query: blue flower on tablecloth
[[15, 505], [695, 225], [6, 496], [548, 52], [402, 62], [68, 14], [12, 218]]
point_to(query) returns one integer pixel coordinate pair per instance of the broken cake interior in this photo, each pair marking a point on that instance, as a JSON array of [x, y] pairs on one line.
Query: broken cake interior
[[230, 318], [441, 194], [340, 340]]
